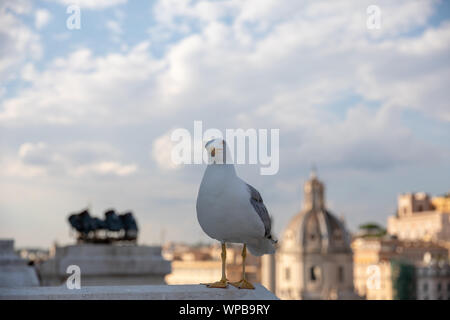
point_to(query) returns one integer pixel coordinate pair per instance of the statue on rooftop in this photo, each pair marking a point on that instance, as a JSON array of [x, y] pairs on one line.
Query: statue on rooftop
[[115, 227]]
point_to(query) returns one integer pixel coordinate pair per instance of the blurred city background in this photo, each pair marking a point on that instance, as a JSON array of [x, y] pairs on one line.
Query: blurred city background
[[317, 257], [90, 92]]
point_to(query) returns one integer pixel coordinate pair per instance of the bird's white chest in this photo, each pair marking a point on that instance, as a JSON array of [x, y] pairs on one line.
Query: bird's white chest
[[214, 205], [224, 210]]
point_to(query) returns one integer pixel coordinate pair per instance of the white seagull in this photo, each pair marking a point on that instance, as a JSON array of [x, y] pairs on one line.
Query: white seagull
[[230, 210]]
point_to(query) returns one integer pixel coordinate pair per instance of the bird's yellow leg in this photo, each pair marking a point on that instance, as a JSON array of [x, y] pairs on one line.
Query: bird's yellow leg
[[243, 284], [223, 282]]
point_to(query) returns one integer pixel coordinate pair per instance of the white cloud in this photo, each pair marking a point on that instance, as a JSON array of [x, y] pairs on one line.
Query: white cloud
[[114, 27], [41, 18], [366, 139], [295, 47], [28, 72], [18, 42], [90, 4], [13, 168], [75, 159], [339, 93], [274, 66], [106, 168], [86, 88], [162, 152], [31, 150], [30, 161]]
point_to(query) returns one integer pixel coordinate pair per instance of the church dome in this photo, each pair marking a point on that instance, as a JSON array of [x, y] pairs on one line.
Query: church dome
[[315, 229]]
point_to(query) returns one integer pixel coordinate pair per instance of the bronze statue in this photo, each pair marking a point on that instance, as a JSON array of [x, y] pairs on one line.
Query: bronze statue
[[115, 227]]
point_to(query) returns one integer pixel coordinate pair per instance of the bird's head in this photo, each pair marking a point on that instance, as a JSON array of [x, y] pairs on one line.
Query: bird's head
[[216, 149]]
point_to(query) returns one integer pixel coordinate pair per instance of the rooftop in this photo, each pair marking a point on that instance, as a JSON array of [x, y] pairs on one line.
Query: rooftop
[[147, 292]]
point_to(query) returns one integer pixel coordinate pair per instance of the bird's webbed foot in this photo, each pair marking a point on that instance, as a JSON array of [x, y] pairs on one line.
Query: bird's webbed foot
[[219, 284], [243, 284]]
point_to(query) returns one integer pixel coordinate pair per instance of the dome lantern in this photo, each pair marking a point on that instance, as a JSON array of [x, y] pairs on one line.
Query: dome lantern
[[314, 193]]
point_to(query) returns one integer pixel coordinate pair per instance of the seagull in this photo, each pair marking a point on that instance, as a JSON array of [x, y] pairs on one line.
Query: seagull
[[232, 211]]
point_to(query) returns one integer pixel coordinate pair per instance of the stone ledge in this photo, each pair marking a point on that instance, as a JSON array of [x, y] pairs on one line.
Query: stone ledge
[[148, 292]]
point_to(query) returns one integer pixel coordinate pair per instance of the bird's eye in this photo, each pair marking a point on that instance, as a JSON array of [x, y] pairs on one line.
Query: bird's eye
[[213, 152]]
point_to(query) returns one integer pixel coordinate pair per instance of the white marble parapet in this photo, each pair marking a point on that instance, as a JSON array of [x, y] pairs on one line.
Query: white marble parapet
[[106, 264], [149, 292]]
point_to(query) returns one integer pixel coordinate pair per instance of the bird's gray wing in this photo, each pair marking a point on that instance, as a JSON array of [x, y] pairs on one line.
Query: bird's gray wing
[[260, 208]]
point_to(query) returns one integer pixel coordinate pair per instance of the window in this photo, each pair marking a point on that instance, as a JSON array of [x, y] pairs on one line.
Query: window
[[315, 273], [341, 274], [312, 274]]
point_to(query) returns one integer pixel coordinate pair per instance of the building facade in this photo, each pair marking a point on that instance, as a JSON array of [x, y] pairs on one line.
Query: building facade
[[433, 282], [381, 265], [193, 265], [420, 217], [14, 271]]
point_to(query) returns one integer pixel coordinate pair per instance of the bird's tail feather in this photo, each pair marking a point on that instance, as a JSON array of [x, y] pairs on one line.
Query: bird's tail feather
[[263, 246]]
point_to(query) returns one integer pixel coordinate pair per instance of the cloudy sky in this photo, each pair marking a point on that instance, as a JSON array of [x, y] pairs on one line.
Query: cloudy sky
[[86, 114]]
